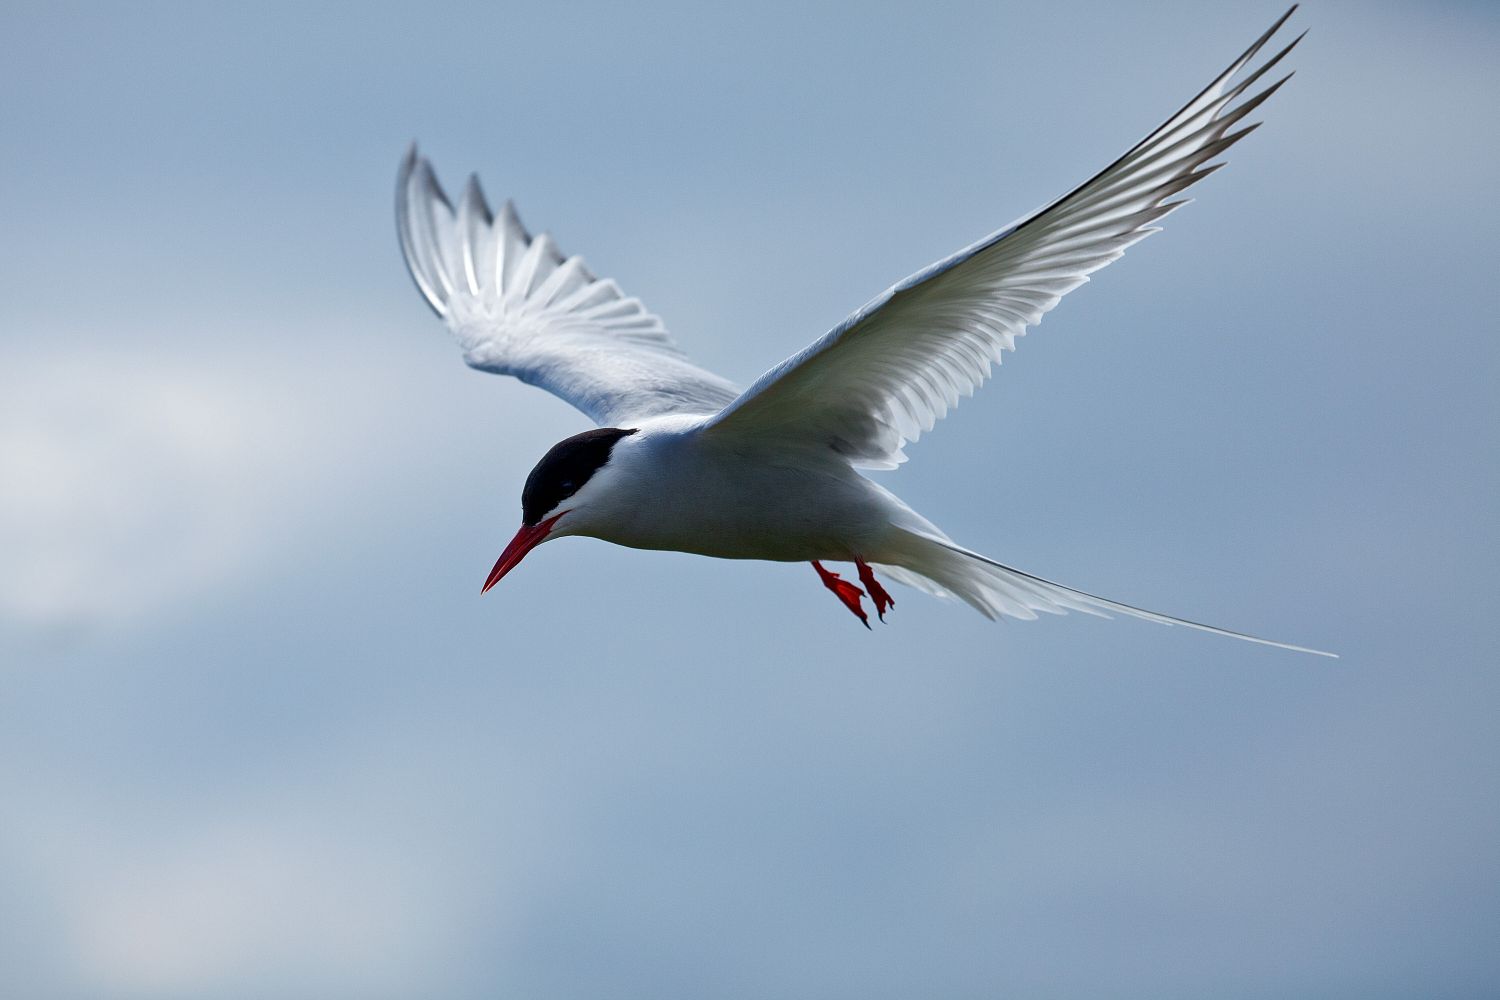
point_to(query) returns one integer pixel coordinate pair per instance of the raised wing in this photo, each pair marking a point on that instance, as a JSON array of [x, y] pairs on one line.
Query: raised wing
[[895, 367], [519, 307]]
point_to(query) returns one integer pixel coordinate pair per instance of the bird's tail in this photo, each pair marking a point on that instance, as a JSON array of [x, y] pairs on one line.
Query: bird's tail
[[932, 562]]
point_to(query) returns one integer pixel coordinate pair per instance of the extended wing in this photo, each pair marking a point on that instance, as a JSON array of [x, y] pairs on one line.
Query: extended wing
[[519, 307], [895, 367]]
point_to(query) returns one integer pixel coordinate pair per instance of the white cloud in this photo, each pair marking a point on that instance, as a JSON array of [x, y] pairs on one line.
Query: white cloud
[[133, 482]]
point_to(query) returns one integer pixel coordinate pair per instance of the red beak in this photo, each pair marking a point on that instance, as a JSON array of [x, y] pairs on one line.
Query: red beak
[[528, 538]]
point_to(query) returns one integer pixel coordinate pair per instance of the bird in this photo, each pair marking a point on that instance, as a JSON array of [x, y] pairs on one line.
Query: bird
[[682, 459]]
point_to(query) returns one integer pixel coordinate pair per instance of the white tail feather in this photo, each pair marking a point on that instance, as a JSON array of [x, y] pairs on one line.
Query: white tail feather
[[995, 590]]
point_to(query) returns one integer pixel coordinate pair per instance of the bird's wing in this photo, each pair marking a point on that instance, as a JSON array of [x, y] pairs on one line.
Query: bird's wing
[[894, 368], [519, 307]]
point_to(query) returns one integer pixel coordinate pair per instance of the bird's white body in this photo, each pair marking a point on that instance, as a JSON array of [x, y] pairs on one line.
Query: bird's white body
[[686, 461], [674, 486]]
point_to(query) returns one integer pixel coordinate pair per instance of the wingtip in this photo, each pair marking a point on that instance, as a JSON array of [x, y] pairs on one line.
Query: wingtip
[[1255, 48], [430, 183], [474, 193], [510, 221]]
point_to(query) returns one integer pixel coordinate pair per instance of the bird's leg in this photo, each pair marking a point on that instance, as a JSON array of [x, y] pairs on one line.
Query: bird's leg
[[883, 601], [844, 591]]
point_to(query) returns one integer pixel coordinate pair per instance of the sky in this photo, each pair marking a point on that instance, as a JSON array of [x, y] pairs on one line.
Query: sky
[[261, 736]]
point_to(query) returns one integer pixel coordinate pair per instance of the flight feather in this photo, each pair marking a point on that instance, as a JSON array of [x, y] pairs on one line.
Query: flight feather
[[518, 306]]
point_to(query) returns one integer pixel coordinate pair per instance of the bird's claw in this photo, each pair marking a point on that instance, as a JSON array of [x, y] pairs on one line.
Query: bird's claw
[[845, 591], [883, 600]]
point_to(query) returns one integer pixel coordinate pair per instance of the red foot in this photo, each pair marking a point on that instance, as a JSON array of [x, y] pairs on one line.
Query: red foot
[[844, 591], [883, 601]]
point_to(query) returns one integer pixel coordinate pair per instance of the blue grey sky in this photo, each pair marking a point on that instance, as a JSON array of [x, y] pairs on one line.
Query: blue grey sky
[[261, 736]]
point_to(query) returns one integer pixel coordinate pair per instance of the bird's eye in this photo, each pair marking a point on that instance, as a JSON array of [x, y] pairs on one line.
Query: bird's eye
[[568, 486]]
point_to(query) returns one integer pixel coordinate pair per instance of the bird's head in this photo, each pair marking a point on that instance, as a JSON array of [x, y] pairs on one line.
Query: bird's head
[[559, 494]]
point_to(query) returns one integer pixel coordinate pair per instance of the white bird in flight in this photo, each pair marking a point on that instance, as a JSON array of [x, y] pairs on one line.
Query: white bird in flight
[[684, 460]]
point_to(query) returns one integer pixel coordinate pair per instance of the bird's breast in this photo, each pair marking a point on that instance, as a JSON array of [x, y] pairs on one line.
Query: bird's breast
[[689, 497]]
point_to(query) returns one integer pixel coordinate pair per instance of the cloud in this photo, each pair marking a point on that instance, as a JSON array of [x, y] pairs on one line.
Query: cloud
[[136, 480]]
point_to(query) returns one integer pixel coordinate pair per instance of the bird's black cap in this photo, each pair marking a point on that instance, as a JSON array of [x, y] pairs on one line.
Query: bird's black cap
[[565, 468]]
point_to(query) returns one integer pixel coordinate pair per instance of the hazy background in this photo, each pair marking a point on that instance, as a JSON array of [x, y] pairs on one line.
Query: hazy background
[[261, 736]]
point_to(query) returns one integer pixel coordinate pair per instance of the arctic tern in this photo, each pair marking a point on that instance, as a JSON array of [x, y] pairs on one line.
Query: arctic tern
[[685, 460]]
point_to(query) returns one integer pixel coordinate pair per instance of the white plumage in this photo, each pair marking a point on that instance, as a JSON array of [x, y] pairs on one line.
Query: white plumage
[[768, 473]]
